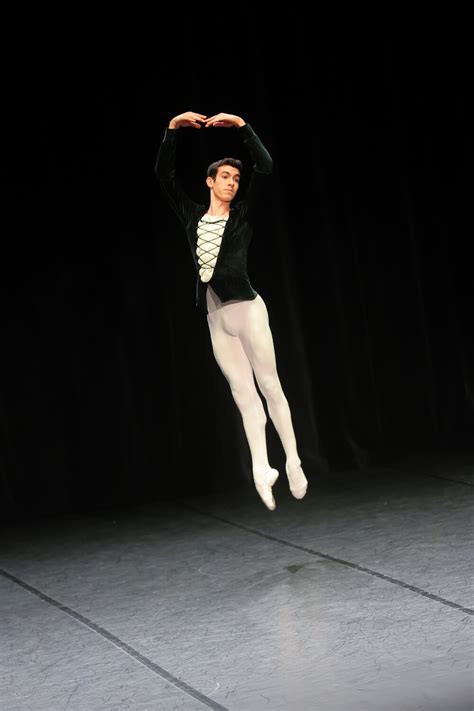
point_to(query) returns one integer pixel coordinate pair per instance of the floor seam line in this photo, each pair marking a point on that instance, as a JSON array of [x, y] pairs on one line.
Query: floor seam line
[[340, 561], [117, 642]]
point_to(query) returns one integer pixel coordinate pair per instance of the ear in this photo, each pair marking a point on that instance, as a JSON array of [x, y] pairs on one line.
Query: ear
[[209, 181]]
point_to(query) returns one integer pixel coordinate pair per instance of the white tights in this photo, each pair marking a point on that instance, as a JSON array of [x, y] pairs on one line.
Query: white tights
[[242, 343]]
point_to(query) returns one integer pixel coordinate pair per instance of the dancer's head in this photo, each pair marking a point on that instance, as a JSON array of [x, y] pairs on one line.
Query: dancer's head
[[223, 178]]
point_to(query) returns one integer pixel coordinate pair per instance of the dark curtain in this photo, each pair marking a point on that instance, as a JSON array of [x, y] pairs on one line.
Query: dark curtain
[[109, 392]]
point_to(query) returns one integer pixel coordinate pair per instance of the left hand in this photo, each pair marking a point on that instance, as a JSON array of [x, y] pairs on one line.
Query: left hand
[[223, 120]]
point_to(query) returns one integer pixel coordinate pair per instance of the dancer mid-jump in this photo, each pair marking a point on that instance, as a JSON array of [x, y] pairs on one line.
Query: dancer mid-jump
[[219, 235]]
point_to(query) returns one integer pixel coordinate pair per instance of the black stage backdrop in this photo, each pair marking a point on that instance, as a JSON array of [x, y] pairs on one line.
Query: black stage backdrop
[[109, 392]]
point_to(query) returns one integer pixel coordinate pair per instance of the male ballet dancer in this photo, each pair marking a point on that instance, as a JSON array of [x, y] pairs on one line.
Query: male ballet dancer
[[219, 235]]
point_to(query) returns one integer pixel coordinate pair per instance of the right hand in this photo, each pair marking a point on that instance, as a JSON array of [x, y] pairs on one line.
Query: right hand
[[190, 119]]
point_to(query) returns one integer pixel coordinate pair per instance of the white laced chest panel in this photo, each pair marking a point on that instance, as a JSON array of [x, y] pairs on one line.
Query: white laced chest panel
[[209, 233]]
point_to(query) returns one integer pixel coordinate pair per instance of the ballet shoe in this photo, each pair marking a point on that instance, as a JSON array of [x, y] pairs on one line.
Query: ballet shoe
[[297, 490], [263, 484]]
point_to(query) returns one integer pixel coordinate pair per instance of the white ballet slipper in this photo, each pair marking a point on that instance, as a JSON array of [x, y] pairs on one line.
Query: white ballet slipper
[[297, 489], [263, 483]]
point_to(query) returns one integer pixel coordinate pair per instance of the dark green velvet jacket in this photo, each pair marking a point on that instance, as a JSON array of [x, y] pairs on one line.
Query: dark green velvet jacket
[[230, 278]]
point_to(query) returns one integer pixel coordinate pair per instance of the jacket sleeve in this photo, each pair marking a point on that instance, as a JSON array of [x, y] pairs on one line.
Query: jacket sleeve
[[261, 168], [165, 171]]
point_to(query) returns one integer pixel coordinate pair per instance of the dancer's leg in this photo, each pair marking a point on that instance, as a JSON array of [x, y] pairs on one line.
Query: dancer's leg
[[257, 341], [236, 368]]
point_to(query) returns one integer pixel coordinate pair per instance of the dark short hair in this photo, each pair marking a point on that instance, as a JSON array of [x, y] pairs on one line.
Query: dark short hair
[[233, 162]]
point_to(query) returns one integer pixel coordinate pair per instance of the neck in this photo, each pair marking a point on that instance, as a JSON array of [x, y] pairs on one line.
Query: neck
[[218, 208]]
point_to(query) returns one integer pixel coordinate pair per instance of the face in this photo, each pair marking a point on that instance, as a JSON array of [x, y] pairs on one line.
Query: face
[[225, 184]]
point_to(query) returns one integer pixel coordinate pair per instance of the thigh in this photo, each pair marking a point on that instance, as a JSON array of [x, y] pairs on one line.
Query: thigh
[[257, 341], [230, 356]]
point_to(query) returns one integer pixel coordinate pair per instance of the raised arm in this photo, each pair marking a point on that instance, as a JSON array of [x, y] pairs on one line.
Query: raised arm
[[262, 160], [165, 165], [166, 158]]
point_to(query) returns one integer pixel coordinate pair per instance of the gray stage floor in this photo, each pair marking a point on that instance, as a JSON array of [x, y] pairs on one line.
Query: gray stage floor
[[358, 597]]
